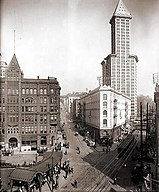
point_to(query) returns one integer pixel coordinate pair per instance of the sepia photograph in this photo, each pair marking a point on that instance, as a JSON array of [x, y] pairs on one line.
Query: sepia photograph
[[79, 95]]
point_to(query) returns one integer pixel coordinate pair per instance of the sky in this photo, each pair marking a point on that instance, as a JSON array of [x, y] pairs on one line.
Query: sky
[[68, 39]]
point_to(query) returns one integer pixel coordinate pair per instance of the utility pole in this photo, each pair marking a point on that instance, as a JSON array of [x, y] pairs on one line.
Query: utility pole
[[52, 172], [141, 142], [14, 41], [147, 127], [141, 139], [52, 162]]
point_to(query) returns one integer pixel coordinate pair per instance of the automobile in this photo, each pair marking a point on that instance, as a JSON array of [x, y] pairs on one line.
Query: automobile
[[91, 143], [76, 133]]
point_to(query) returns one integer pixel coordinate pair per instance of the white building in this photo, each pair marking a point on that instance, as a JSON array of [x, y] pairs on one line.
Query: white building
[[69, 99], [120, 67], [3, 67], [105, 111]]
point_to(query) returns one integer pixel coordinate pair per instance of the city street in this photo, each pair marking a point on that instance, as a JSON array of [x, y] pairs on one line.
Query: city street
[[93, 169], [86, 165]]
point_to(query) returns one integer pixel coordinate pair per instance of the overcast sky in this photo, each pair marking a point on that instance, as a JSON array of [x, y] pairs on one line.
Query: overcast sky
[[68, 39]]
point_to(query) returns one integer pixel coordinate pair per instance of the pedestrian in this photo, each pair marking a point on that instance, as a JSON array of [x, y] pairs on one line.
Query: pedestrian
[[75, 183], [70, 170], [115, 180]]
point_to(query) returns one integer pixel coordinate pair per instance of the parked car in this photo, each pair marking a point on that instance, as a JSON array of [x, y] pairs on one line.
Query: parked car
[[91, 143]]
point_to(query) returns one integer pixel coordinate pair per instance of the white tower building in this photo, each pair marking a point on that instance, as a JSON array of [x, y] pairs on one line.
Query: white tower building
[[119, 68]]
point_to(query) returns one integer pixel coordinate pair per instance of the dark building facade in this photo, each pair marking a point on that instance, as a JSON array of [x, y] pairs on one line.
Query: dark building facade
[[30, 109], [156, 98]]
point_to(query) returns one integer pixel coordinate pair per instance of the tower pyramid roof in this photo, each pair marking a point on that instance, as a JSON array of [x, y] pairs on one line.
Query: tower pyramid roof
[[14, 61], [14, 64], [121, 10]]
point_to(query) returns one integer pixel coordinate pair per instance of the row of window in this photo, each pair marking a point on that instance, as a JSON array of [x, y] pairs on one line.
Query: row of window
[[28, 100], [15, 109], [13, 118], [35, 91], [30, 118], [13, 78], [13, 91], [13, 130], [27, 129]]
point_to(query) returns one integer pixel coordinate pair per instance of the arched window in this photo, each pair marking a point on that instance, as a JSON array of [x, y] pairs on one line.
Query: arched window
[[104, 122], [45, 99], [104, 96], [105, 104], [41, 91], [105, 113], [23, 91], [52, 90], [27, 91], [35, 91], [31, 91], [29, 100], [45, 91]]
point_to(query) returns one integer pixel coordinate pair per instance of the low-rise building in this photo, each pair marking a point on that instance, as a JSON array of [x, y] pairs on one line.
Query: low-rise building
[[29, 109], [105, 111]]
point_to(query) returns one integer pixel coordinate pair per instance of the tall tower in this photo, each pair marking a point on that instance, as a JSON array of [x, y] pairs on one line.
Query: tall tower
[[119, 68], [3, 67], [13, 107]]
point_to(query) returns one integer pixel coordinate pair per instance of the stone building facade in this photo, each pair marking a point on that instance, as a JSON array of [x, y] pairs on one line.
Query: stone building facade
[[105, 111], [30, 109]]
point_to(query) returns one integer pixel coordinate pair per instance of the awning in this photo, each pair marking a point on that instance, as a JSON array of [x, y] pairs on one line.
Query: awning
[[22, 174], [27, 174], [50, 159]]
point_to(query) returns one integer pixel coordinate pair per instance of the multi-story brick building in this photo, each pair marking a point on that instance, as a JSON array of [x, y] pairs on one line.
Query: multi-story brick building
[[105, 111], [30, 109], [120, 67]]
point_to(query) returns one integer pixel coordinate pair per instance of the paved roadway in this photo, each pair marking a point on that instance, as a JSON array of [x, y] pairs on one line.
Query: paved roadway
[[86, 164], [90, 167]]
